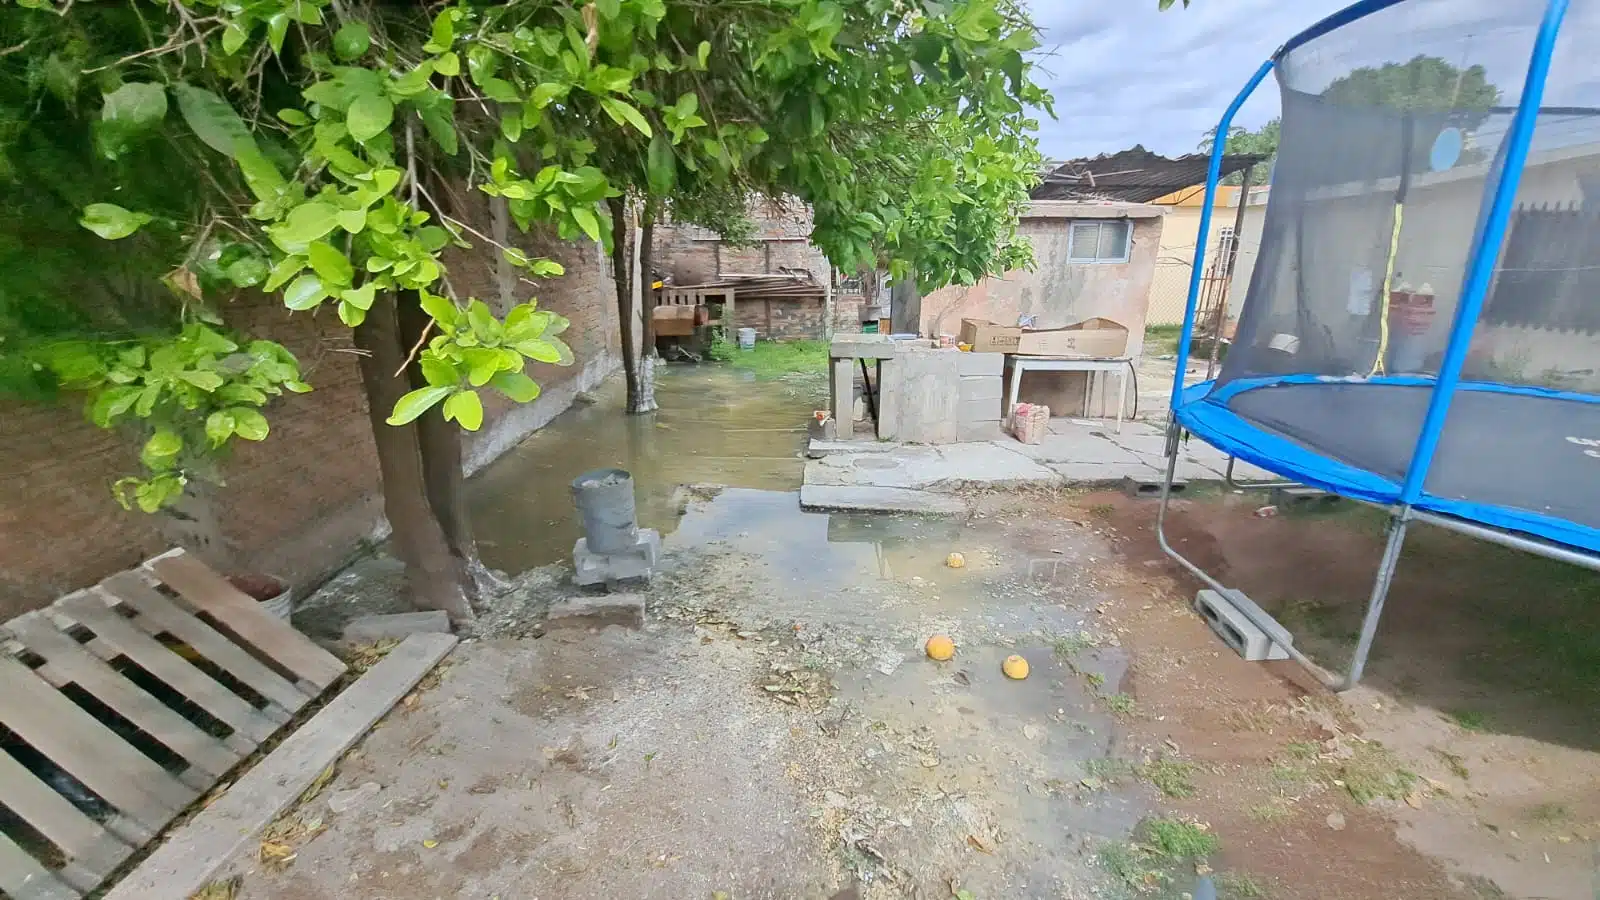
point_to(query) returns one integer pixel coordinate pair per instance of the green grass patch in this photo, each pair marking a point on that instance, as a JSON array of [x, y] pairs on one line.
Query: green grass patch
[[1469, 719], [1179, 840], [1550, 814], [1375, 772], [1171, 777], [1162, 340], [1239, 885], [1070, 645], [1121, 704], [774, 359]]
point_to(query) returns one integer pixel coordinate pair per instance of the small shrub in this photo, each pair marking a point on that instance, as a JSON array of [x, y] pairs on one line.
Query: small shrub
[[1121, 704], [1180, 840]]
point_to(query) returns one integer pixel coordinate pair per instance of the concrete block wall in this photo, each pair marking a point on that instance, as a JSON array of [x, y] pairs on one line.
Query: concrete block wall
[[295, 505]]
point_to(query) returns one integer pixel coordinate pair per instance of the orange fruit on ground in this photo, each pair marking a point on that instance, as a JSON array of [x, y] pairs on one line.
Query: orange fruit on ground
[[1015, 667], [955, 561], [940, 647]]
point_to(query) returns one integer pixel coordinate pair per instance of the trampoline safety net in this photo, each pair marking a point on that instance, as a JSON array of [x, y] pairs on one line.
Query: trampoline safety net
[[1394, 135]]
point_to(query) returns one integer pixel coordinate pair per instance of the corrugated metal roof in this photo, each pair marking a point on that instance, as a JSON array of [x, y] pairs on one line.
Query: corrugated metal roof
[[1133, 176]]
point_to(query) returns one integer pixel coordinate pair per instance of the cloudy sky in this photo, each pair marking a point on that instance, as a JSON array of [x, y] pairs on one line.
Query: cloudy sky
[[1126, 73]]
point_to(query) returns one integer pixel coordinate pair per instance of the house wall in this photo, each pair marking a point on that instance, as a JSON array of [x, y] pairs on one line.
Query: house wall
[[1058, 292], [295, 505], [1180, 231]]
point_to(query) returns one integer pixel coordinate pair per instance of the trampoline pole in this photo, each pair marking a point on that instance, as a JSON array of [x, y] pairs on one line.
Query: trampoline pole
[[1380, 593]]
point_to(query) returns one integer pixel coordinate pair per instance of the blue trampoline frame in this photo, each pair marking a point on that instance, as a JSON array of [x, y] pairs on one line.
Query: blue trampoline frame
[[1212, 422]]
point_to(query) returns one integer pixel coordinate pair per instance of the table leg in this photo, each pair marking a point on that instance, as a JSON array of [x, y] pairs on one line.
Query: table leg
[[1122, 395], [1011, 393], [1088, 392], [841, 391]]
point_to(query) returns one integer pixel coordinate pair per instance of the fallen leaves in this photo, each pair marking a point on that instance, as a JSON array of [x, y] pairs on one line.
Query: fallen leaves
[[226, 889], [978, 844]]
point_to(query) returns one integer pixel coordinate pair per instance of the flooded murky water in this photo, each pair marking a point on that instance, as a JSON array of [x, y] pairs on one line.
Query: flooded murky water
[[716, 425]]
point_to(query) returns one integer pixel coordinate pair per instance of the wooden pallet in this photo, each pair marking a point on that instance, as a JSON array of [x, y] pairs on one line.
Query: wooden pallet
[[123, 704]]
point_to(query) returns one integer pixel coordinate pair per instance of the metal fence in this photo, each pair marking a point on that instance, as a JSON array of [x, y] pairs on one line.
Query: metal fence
[[1169, 287]]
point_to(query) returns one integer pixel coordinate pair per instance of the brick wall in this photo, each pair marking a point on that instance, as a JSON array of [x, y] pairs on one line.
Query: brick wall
[[694, 255], [295, 505]]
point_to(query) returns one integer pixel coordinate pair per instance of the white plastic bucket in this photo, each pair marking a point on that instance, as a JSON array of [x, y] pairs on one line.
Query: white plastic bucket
[[747, 339]]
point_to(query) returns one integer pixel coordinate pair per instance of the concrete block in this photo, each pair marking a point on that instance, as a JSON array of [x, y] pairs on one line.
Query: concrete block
[[982, 364], [1226, 616], [980, 431], [597, 611], [982, 387], [1302, 498], [604, 568], [1150, 485], [878, 499], [371, 629], [973, 412]]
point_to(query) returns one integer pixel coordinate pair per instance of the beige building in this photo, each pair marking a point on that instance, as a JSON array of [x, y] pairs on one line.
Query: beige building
[[1169, 286]]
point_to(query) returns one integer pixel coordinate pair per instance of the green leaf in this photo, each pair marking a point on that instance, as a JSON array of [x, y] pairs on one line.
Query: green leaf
[[219, 427], [466, 409], [439, 371], [501, 90], [361, 297], [414, 404], [286, 269], [233, 37], [625, 114], [161, 449], [511, 127], [248, 423], [539, 350], [444, 31], [331, 265], [264, 179], [350, 314], [516, 385], [247, 271], [307, 222], [703, 53], [481, 320], [277, 30], [351, 40], [441, 129], [369, 116], [112, 403], [663, 166], [440, 309], [146, 403], [200, 378], [352, 220], [586, 220], [447, 64], [547, 91], [135, 106], [111, 221], [211, 118], [482, 364], [304, 292], [432, 238]]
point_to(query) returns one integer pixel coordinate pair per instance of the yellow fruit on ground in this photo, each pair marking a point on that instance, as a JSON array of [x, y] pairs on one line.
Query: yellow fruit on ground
[[940, 647], [1015, 667], [955, 560]]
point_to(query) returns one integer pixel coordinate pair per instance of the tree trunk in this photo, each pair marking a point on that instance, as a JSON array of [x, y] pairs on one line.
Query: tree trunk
[[442, 472], [435, 578], [642, 282], [905, 306], [624, 283]]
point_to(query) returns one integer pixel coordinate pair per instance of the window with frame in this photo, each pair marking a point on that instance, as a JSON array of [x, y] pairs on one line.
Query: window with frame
[[1099, 241]]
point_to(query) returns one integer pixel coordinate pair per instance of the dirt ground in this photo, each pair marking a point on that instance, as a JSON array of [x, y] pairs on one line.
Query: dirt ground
[[777, 732]]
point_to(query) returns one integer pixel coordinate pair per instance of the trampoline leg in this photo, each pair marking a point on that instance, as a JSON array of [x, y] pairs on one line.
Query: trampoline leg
[[1380, 592]]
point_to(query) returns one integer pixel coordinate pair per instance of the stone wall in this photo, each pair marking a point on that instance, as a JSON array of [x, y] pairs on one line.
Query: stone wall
[[295, 505]]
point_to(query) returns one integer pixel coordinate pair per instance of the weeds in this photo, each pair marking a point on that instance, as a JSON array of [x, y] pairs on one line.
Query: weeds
[[1121, 704], [1375, 772], [1147, 863], [1272, 811], [1108, 769], [1550, 813], [1171, 777], [1456, 764], [1240, 885], [1102, 510], [1070, 645], [1469, 719], [1180, 840]]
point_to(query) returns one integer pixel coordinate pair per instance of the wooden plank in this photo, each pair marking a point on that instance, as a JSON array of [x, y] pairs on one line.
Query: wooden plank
[[194, 852], [88, 750], [212, 593], [155, 658], [79, 837], [77, 665], [23, 878], [207, 641]]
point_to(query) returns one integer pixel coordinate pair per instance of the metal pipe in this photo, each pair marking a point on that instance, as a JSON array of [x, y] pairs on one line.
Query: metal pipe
[[1213, 174], [1511, 539], [1227, 478], [1480, 269], [1380, 593]]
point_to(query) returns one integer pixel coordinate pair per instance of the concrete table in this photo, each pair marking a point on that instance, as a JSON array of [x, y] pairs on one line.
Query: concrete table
[[843, 352], [1117, 364]]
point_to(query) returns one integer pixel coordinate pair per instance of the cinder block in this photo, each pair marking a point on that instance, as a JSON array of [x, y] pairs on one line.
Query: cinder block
[[605, 568], [370, 629], [1302, 498], [980, 431], [974, 412], [1226, 616], [982, 364], [1150, 486], [982, 387], [597, 611]]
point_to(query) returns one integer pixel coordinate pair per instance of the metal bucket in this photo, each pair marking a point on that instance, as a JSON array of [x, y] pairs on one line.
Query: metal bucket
[[747, 339], [604, 498]]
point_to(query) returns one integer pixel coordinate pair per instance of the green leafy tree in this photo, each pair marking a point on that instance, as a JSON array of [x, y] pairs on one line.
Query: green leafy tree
[[302, 148], [1262, 141], [1426, 83]]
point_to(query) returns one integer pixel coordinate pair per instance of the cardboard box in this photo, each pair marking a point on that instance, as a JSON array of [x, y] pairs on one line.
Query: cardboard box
[[987, 337], [1093, 338]]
